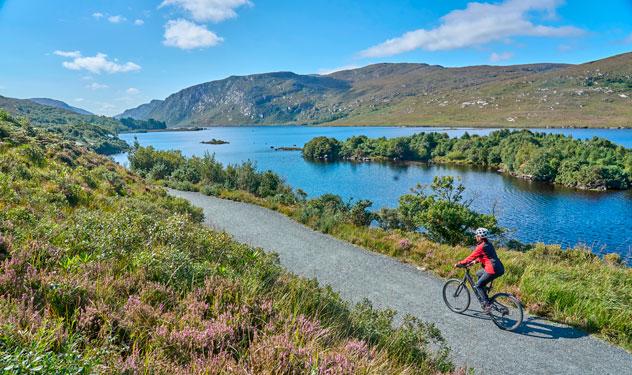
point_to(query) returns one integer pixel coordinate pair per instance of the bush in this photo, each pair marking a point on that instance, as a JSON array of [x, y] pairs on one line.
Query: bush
[[359, 215], [443, 214], [213, 190], [207, 175]]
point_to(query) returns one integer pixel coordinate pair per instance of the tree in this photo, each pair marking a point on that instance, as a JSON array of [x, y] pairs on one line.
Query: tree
[[322, 148], [443, 214], [359, 214]]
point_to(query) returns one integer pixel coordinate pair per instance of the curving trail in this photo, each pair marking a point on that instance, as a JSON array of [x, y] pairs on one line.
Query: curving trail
[[540, 347]]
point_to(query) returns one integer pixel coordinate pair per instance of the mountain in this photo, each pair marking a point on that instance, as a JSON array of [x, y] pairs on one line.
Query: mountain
[[59, 104], [594, 94], [141, 111], [45, 115]]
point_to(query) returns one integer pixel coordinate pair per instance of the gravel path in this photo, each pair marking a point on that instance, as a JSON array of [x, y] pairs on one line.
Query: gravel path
[[541, 347]]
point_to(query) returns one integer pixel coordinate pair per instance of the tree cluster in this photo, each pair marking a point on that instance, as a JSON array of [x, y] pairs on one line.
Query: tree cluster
[[594, 164]]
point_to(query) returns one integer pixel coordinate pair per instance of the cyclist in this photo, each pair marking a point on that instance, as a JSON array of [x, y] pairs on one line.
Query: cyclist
[[492, 266]]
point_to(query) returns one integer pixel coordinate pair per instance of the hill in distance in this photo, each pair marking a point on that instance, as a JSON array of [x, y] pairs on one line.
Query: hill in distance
[[95, 132], [48, 115], [61, 105], [594, 94], [140, 112]]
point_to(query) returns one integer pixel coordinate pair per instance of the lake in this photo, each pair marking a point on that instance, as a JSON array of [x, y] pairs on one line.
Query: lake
[[533, 212]]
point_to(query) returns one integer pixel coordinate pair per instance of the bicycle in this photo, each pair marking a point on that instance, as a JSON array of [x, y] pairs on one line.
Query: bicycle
[[505, 309]]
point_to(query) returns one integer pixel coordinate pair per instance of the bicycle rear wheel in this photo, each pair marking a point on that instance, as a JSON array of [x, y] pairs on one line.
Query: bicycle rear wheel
[[506, 311], [456, 295]]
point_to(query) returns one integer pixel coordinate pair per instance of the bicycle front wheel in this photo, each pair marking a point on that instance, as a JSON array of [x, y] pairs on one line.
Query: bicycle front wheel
[[506, 311], [456, 295]]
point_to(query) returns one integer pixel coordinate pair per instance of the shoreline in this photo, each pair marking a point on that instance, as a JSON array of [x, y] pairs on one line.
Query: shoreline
[[142, 131], [326, 125]]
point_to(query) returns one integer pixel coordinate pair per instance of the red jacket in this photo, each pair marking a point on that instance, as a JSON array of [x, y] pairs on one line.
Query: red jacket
[[486, 254]]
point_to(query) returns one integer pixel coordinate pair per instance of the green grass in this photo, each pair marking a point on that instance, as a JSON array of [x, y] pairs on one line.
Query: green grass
[[102, 272], [574, 287]]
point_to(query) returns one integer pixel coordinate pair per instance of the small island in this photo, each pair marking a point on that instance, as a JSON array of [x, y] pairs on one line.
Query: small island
[[215, 142], [284, 148]]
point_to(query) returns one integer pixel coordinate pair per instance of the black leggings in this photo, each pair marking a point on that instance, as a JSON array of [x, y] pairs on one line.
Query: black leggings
[[483, 280]]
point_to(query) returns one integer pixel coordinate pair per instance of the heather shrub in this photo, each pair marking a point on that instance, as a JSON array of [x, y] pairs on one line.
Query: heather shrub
[[103, 273], [404, 244]]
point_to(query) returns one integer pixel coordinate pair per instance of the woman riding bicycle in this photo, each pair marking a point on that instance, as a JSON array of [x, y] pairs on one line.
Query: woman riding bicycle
[[492, 266]]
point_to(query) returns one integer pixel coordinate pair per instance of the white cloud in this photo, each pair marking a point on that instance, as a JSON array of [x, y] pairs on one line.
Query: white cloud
[[117, 19], [72, 54], [97, 15], [496, 57], [326, 71], [79, 99], [96, 86], [188, 35], [132, 91], [477, 24], [628, 39], [139, 22], [208, 10], [96, 64]]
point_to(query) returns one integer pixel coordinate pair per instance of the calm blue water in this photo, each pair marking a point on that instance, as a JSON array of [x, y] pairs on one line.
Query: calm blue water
[[532, 211]]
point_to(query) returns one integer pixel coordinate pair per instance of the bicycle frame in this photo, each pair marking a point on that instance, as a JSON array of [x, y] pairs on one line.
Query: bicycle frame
[[467, 279]]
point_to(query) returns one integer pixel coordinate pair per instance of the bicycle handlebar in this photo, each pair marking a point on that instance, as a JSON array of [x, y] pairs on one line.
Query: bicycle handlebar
[[467, 265]]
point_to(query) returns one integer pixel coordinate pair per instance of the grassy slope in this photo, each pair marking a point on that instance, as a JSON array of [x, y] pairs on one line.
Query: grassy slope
[[43, 115], [102, 272], [95, 132], [570, 286], [555, 98]]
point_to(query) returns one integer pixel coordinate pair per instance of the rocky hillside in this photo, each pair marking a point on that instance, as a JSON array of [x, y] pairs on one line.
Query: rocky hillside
[[140, 112], [594, 94]]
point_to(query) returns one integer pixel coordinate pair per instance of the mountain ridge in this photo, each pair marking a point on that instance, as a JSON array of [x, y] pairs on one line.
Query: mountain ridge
[[593, 94], [61, 105]]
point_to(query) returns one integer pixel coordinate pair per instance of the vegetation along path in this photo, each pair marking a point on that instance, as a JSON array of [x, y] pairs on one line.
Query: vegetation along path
[[539, 347]]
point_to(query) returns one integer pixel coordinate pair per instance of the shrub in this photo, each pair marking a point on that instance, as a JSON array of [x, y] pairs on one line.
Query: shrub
[[213, 190], [444, 214], [392, 218], [359, 215], [207, 175], [404, 244]]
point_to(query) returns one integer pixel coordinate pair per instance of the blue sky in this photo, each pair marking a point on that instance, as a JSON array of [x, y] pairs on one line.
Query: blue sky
[[107, 56]]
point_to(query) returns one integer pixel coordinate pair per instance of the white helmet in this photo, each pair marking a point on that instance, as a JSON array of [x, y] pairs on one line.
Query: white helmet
[[482, 232]]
